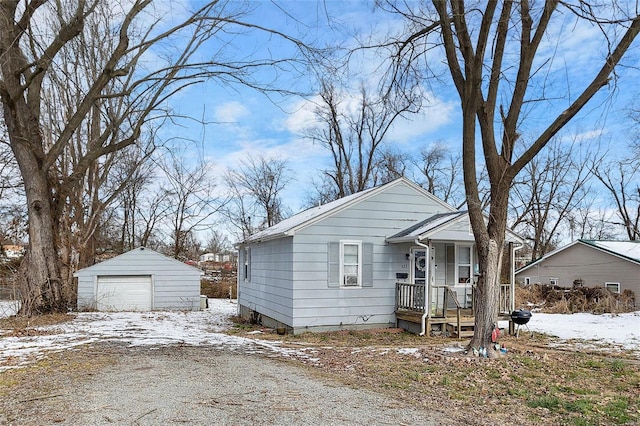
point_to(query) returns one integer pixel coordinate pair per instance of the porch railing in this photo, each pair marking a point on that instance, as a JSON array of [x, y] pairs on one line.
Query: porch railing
[[411, 297], [504, 303]]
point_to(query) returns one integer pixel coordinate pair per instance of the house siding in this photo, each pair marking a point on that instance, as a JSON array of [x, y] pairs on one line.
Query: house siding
[[269, 290], [315, 305], [594, 267], [458, 231], [176, 286]]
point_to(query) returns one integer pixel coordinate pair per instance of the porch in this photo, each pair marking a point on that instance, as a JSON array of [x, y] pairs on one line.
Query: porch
[[451, 308]]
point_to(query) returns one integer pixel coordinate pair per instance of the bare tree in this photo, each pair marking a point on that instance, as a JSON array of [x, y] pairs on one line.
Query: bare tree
[[546, 191], [190, 199], [217, 242], [139, 61], [621, 179], [590, 222], [495, 61], [391, 164], [137, 175], [256, 193], [354, 134], [442, 170]]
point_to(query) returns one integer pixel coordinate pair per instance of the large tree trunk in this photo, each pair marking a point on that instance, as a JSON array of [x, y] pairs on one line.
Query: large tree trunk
[[487, 294], [40, 281]]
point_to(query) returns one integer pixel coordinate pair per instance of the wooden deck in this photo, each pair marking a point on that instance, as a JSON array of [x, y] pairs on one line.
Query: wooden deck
[[448, 315], [448, 324]]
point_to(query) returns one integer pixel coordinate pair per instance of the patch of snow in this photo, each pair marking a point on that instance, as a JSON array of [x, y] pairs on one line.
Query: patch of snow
[[453, 349], [8, 308], [408, 351], [207, 328], [620, 330]]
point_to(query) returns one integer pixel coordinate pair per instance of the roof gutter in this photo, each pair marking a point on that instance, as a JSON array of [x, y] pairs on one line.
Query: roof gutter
[[427, 292]]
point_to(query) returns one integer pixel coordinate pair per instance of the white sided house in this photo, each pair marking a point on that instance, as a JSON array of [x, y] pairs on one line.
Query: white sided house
[[614, 265], [139, 280], [394, 255]]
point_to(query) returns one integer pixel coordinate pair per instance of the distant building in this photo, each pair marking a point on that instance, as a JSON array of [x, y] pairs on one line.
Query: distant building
[[12, 251], [215, 257], [614, 265]]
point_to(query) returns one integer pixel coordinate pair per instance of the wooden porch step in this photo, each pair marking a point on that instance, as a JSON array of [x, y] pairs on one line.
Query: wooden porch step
[[466, 328]]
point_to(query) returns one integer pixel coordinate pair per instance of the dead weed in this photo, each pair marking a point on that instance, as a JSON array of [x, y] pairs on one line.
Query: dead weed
[[27, 325], [534, 382]]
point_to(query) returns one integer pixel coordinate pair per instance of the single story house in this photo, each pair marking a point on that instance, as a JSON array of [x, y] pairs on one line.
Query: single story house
[[347, 264], [139, 280], [594, 263]]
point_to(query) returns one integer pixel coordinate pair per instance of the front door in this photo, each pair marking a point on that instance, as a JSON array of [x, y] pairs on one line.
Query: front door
[[419, 272], [419, 268]]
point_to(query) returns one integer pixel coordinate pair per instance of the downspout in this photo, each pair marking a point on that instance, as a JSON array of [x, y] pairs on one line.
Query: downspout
[[514, 249], [427, 289]]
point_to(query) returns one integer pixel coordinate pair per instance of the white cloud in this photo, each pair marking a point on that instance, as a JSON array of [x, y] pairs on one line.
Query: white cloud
[[230, 112], [431, 119]]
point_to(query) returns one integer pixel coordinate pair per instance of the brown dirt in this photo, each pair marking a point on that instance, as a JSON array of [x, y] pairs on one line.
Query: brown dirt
[[534, 383]]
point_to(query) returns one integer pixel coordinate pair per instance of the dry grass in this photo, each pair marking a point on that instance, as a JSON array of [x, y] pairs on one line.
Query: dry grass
[[533, 384], [219, 290], [560, 300], [24, 325]]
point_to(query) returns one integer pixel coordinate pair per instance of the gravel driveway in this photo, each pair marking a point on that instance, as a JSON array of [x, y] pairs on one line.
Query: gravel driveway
[[193, 385]]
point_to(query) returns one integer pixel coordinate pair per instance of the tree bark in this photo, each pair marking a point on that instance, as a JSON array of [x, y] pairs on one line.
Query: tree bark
[[40, 280]]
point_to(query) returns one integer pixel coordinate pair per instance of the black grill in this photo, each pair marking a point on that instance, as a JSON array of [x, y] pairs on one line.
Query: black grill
[[521, 316]]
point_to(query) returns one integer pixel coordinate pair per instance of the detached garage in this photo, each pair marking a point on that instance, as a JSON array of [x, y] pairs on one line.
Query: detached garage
[[139, 280]]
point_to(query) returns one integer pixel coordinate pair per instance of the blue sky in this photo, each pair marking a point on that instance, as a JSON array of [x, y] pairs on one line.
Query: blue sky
[[244, 122]]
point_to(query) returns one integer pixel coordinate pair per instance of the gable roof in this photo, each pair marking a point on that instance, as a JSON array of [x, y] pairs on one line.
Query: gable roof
[[134, 253], [426, 226], [429, 228], [627, 250], [289, 226]]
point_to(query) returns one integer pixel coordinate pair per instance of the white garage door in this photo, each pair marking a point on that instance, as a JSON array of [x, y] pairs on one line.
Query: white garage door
[[124, 293]]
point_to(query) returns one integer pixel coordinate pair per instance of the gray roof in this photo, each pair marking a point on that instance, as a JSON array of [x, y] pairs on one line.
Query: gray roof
[[429, 224], [307, 217], [114, 261]]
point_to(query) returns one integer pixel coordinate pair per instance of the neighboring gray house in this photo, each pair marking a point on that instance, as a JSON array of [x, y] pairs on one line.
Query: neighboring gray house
[[341, 265], [139, 280], [611, 264]]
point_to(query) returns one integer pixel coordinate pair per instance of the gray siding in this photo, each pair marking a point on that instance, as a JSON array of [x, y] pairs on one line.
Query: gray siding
[[176, 286], [593, 266], [318, 306], [269, 290], [460, 230]]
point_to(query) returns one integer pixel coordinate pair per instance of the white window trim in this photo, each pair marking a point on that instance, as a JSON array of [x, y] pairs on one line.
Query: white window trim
[[527, 280], [342, 273], [612, 283], [553, 281], [458, 264]]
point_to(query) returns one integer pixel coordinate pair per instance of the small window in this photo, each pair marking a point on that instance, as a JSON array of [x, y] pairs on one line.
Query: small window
[[247, 264], [612, 287], [527, 280], [350, 263], [553, 281]]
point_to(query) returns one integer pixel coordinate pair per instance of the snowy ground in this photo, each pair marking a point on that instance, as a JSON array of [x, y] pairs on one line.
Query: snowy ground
[[207, 328]]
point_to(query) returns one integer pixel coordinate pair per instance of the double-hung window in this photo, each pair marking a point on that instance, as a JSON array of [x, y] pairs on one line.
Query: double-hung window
[[351, 263]]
